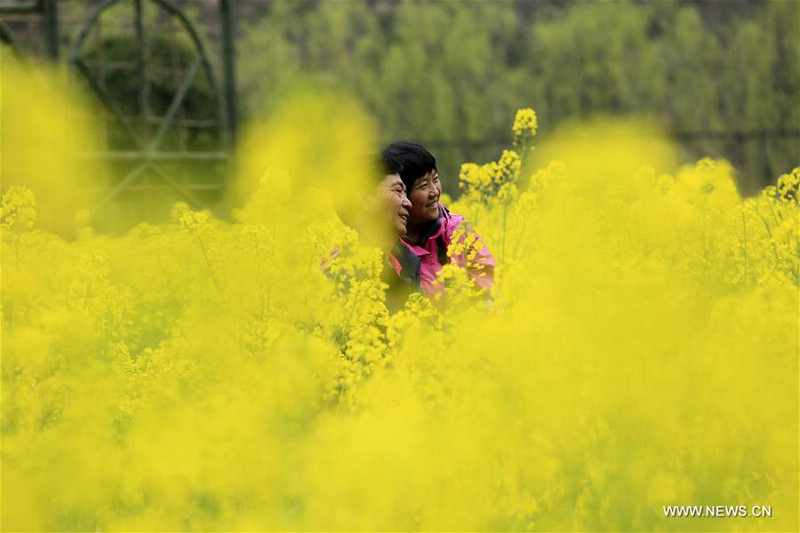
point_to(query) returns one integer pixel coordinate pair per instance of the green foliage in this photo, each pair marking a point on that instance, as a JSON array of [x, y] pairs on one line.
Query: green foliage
[[455, 70], [168, 61]]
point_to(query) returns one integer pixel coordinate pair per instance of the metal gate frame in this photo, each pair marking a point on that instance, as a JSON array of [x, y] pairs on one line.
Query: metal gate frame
[[147, 152]]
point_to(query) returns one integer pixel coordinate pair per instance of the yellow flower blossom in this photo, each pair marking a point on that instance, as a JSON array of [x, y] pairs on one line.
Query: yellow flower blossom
[[244, 373], [18, 209], [525, 126]]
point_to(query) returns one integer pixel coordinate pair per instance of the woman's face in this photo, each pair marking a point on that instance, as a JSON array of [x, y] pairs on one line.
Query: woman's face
[[424, 196]]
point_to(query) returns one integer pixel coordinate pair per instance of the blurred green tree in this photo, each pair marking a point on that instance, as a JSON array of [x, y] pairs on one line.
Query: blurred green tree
[[457, 71]]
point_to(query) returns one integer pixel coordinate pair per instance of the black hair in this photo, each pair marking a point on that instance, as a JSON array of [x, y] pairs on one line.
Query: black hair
[[410, 160]]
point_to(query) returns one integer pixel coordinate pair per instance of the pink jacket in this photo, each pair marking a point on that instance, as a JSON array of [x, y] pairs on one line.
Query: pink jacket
[[432, 253]]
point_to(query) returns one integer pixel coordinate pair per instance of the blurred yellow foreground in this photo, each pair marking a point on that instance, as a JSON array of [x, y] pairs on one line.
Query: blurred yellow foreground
[[640, 351]]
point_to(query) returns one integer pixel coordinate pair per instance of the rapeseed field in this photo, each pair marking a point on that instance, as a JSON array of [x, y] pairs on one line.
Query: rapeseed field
[[639, 348]]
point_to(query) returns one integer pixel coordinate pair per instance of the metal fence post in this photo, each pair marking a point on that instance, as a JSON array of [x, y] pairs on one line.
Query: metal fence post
[[228, 67], [50, 26]]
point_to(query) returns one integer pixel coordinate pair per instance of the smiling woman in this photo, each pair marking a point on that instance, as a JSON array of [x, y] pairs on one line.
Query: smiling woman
[[424, 195], [432, 229]]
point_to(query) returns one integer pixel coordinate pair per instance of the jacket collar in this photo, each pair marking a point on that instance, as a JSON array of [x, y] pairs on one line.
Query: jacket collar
[[431, 230], [407, 264]]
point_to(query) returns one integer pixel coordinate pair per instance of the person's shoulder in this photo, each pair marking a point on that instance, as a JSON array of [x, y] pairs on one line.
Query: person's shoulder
[[394, 262], [451, 221]]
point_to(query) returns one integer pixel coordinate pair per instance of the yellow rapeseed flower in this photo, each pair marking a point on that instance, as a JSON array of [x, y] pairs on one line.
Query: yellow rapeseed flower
[[524, 126], [18, 208]]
